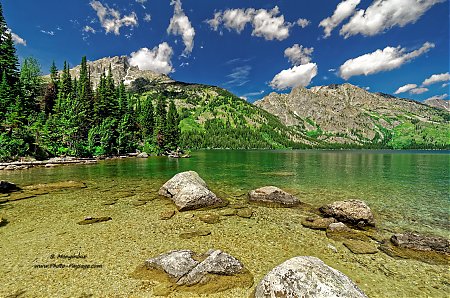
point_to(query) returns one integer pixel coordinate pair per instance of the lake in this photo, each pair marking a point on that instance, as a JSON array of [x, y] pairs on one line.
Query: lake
[[407, 191]]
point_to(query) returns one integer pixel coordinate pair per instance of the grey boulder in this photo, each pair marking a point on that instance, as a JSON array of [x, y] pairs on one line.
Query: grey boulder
[[274, 195], [355, 212], [209, 273], [306, 277], [188, 191]]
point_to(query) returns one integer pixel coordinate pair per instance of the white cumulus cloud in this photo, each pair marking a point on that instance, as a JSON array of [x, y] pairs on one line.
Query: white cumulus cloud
[[344, 10], [236, 19], [436, 78], [111, 20], [158, 59], [293, 77], [405, 88], [180, 25], [298, 55], [269, 24], [385, 14], [381, 60]]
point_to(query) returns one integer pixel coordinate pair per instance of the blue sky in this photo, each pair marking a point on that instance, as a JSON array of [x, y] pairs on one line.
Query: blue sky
[[250, 47]]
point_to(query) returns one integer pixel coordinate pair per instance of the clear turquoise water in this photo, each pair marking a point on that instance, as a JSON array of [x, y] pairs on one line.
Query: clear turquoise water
[[407, 190]]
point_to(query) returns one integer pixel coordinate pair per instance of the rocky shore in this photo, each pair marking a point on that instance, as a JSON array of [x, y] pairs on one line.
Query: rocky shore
[[351, 224]]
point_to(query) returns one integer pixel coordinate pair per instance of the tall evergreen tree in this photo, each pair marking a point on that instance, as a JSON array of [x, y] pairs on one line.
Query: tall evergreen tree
[[172, 127], [9, 63], [31, 83], [160, 123], [147, 119], [6, 97]]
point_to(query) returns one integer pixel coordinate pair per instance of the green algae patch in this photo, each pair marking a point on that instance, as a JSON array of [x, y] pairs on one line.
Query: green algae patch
[[430, 257]]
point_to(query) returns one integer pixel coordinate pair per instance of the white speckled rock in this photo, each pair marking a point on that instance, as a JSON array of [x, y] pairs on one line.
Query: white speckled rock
[[175, 263], [188, 191], [272, 194], [217, 262], [306, 277]]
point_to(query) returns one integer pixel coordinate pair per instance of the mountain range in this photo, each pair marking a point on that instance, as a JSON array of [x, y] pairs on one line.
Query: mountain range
[[333, 116]]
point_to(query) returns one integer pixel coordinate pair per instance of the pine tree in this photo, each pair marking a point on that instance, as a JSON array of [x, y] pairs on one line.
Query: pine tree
[[9, 63], [172, 127], [30, 83], [147, 119], [65, 84], [5, 97], [54, 75], [84, 86], [160, 124]]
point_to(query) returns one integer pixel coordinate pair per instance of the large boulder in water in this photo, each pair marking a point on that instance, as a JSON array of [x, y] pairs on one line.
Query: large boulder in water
[[355, 212], [211, 272], [6, 186], [306, 277], [188, 191], [272, 195]]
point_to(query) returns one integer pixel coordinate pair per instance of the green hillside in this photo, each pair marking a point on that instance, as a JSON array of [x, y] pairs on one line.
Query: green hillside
[[211, 117]]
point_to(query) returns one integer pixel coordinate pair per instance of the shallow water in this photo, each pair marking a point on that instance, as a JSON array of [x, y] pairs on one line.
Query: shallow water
[[406, 190]]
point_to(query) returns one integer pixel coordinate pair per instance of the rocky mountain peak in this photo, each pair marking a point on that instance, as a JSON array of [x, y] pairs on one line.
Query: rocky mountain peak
[[344, 113], [121, 71]]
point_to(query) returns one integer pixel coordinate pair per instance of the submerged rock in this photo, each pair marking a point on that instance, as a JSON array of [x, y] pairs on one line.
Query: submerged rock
[[361, 247], [228, 212], [188, 191], [6, 187], [339, 232], [212, 272], [92, 220], [273, 195], [56, 186], [355, 212], [318, 223], [428, 249], [245, 212], [165, 215], [421, 242], [193, 234], [210, 218], [306, 277]]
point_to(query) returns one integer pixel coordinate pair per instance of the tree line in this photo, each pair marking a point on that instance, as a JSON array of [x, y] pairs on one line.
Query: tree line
[[67, 116]]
